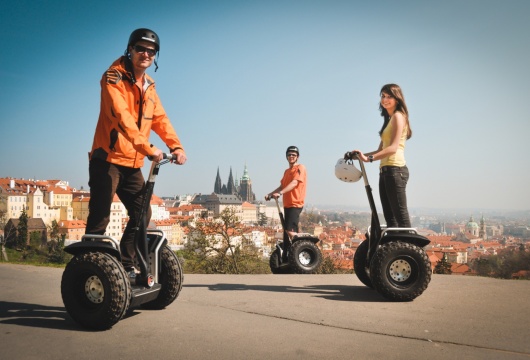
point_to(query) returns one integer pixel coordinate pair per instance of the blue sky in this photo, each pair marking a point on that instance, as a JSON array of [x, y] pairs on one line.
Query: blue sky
[[242, 80]]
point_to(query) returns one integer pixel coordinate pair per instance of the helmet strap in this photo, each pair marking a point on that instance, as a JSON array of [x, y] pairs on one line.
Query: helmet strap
[[156, 64]]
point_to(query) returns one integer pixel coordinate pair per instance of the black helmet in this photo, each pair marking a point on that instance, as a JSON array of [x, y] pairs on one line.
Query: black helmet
[[146, 35], [292, 149]]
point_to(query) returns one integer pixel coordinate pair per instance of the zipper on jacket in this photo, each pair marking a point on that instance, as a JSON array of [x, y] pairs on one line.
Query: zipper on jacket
[[141, 108], [140, 112]]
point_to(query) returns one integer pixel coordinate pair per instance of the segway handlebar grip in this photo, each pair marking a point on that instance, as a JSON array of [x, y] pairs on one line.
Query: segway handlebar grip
[[351, 155], [165, 156]]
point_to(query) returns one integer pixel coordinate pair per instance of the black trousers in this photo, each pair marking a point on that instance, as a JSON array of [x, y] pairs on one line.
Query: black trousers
[[392, 190], [107, 180], [292, 218]]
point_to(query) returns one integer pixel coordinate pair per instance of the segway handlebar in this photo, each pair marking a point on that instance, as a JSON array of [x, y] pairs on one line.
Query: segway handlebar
[[351, 155], [168, 156]]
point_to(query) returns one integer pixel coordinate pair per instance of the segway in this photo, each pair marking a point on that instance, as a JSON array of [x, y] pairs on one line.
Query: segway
[[392, 261], [96, 289], [302, 256]]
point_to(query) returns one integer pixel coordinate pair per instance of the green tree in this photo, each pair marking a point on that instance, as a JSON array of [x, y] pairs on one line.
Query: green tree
[[35, 239], [262, 219], [21, 239], [443, 266], [510, 262], [483, 266], [53, 230], [56, 253]]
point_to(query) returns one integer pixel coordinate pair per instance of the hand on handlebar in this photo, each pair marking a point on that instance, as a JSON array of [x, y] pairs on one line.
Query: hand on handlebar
[[355, 155], [179, 157], [272, 196], [351, 155], [157, 156]]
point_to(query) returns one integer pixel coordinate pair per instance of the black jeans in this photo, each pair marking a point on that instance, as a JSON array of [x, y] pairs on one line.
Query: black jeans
[[105, 181], [392, 190], [292, 218]]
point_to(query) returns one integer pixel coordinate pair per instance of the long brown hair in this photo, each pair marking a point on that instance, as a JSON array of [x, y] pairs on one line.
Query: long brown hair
[[394, 91]]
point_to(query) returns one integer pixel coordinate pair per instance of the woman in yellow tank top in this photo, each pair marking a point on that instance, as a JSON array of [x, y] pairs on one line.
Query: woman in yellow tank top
[[394, 173]]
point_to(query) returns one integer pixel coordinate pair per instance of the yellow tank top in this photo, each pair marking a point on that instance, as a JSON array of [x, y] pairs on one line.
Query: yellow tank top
[[398, 159]]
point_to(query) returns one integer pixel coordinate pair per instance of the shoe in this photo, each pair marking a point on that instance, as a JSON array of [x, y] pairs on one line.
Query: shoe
[[132, 273]]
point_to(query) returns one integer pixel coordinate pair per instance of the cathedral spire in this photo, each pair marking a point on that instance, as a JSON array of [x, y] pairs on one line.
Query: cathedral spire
[[230, 188], [218, 185]]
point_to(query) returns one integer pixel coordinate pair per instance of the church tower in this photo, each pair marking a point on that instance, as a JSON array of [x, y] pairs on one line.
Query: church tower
[[245, 187], [218, 185], [482, 229], [472, 227], [230, 187]]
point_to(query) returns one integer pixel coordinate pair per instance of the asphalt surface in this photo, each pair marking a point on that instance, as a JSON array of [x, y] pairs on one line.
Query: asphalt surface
[[274, 317]]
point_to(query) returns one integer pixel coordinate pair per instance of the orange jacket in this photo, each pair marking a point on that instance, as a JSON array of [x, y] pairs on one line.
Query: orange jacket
[[127, 117]]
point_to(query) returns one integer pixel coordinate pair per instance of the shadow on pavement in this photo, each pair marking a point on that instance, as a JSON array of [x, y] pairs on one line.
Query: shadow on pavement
[[329, 292], [35, 315]]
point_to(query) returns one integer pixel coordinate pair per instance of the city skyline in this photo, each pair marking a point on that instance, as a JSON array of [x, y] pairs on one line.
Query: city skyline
[[243, 80], [419, 216]]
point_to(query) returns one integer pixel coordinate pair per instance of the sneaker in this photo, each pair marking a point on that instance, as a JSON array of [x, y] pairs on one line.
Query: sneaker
[[132, 273]]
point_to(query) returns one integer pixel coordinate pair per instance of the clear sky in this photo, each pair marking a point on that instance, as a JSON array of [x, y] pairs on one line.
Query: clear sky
[[242, 80]]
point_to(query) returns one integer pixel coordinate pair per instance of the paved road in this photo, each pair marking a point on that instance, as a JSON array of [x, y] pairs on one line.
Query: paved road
[[274, 317]]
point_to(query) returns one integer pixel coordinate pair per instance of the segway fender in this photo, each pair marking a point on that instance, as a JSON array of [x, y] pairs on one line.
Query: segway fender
[[410, 238], [87, 246]]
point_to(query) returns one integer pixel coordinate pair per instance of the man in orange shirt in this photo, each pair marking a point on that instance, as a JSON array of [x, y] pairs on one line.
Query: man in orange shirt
[[130, 109], [293, 188]]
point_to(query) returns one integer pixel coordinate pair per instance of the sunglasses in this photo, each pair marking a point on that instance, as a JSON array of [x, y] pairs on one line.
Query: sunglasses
[[141, 49]]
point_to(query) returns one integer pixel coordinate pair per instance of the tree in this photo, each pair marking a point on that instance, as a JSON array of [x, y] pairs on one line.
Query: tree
[[219, 246], [54, 230], [328, 266], [21, 239], [308, 220], [262, 219], [443, 266], [3, 218], [56, 253], [483, 266]]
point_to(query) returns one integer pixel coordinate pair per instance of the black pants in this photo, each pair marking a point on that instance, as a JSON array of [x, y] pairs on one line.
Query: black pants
[[292, 218], [392, 190], [105, 181]]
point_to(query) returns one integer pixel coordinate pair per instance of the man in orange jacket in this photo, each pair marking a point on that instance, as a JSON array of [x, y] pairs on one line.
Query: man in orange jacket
[[130, 109]]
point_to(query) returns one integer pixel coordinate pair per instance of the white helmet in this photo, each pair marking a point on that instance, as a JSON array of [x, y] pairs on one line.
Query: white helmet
[[346, 171]]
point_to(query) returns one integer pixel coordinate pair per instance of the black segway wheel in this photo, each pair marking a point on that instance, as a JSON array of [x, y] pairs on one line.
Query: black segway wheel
[[304, 257], [360, 265], [95, 290], [276, 264], [170, 278], [400, 271]]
